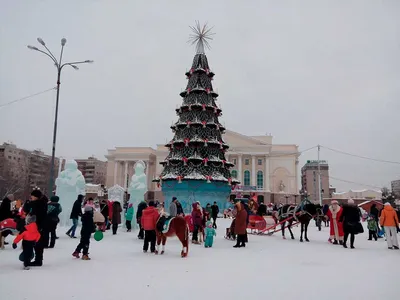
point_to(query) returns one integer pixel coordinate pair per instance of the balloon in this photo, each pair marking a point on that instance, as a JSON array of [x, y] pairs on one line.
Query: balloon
[[98, 236]]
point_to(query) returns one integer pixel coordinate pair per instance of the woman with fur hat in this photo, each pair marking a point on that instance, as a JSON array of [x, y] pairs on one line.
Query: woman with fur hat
[[240, 225], [390, 222], [350, 217], [336, 228]]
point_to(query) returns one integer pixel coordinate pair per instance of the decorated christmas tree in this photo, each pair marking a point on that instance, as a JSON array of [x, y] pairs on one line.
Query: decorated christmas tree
[[196, 168]]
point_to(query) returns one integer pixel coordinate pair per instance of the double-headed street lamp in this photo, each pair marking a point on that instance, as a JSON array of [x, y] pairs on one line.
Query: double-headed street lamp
[[59, 65]]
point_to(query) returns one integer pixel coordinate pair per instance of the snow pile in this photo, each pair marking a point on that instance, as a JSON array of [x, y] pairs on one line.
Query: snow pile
[[269, 267]]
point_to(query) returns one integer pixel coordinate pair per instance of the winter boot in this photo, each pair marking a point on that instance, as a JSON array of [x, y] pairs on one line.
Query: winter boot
[[395, 248], [85, 257], [26, 268], [76, 254], [335, 242], [390, 248], [344, 245]]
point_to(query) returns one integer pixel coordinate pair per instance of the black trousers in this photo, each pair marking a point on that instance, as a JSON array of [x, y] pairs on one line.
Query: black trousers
[[27, 249], [141, 231], [214, 222], [83, 245], [149, 238], [49, 232], [346, 236], [241, 239], [114, 228], [39, 248], [195, 233], [128, 224], [372, 234]]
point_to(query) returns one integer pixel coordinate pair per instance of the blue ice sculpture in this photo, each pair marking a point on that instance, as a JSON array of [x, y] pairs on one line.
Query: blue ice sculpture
[[70, 184], [138, 185]]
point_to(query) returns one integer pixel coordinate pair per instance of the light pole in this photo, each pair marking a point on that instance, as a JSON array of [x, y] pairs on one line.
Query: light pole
[[59, 65]]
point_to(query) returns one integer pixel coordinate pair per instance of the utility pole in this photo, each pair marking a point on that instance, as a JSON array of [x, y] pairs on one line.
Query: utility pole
[[319, 178]]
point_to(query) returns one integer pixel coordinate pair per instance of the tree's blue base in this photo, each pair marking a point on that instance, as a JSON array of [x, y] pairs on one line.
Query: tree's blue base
[[191, 191]]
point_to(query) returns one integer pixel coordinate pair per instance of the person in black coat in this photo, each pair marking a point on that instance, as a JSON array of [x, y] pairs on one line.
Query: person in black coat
[[375, 213], [53, 210], [179, 209], [75, 214], [5, 208], [38, 207], [88, 227], [351, 217], [105, 212], [214, 214], [262, 209], [142, 205]]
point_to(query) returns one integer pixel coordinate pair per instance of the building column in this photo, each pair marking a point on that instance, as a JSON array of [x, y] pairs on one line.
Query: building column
[[253, 171], [266, 174], [126, 176], [115, 171], [240, 171]]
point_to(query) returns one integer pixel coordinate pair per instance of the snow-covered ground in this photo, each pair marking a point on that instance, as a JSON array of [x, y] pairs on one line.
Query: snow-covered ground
[[269, 268]]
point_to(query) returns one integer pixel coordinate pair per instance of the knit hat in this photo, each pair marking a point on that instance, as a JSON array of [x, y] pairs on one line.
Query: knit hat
[[151, 203], [350, 201], [30, 219], [387, 204], [36, 193], [54, 199], [174, 198]]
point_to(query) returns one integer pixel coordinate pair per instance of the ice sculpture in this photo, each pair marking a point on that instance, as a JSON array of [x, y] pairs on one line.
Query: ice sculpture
[[138, 186], [70, 184]]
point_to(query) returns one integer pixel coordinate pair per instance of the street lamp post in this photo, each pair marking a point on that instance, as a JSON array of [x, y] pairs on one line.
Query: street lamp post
[[59, 65]]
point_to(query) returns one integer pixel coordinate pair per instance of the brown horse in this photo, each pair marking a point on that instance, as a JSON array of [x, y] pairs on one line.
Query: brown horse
[[177, 227]]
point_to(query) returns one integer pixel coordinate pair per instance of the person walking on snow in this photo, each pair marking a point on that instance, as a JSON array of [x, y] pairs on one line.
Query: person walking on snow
[[209, 233], [350, 217], [197, 219], [149, 220], [88, 228], [129, 217], [53, 210], [214, 214], [173, 210], [336, 228], [240, 225], [74, 216], [390, 222], [142, 205], [116, 216]]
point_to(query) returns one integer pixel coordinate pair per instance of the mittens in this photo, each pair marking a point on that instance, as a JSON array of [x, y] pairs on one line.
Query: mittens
[[14, 246]]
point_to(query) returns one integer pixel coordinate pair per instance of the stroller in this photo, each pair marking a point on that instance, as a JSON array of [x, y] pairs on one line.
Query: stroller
[[230, 232]]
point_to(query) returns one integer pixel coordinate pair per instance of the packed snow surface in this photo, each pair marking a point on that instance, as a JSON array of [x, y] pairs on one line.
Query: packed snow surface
[[268, 268]]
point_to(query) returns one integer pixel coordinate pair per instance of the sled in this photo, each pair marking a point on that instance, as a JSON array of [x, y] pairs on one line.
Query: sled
[[272, 229], [256, 224]]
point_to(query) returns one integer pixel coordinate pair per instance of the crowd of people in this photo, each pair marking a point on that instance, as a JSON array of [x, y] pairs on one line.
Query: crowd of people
[[37, 219]]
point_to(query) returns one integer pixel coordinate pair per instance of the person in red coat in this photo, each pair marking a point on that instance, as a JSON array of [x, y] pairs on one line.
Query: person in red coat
[[240, 225], [197, 219], [148, 221], [336, 228]]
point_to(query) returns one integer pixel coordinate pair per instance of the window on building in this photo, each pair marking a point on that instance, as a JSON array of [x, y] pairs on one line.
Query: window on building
[[247, 161], [259, 162], [234, 173], [234, 161], [246, 177], [260, 180]]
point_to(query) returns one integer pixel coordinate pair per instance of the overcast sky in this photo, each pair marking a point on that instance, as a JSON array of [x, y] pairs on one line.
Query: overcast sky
[[309, 72]]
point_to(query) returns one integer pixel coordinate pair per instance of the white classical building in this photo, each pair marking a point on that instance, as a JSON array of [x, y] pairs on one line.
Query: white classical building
[[358, 194], [270, 170]]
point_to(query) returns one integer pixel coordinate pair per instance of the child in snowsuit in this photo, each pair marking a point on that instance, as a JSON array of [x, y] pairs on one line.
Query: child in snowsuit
[[209, 233], [29, 236], [372, 228], [129, 217], [88, 228]]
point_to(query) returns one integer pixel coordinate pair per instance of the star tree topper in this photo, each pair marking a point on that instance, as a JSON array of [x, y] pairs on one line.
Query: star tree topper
[[200, 37]]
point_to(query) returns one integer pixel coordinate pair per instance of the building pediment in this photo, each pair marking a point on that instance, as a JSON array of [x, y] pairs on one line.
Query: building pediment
[[235, 139]]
